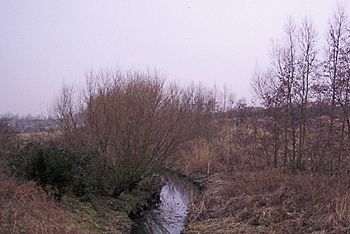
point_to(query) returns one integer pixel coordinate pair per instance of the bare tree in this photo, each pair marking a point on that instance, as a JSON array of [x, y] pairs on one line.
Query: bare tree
[[65, 109], [266, 87], [307, 72], [335, 73]]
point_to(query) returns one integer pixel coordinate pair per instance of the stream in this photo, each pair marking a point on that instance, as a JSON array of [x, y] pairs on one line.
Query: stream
[[169, 215]]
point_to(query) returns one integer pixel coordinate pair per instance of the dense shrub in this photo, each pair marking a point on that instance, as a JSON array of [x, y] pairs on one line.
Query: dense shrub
[[61, 168], [47, 164]]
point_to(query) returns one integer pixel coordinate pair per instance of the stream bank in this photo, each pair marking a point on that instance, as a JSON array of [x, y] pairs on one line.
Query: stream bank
[[158, 204]]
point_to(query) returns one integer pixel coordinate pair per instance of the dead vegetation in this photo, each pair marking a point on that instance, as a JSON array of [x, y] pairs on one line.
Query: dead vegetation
[[271, 202], [285, 168], [25, 208]]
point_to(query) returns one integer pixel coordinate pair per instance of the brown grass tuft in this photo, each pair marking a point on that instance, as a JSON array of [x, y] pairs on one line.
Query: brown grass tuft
[[199, 158]]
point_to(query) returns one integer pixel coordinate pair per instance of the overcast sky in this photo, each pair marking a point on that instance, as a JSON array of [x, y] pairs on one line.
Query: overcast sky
[[44, 44]]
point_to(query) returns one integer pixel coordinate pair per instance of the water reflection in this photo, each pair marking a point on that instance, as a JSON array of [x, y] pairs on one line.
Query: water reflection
[[170, 214]]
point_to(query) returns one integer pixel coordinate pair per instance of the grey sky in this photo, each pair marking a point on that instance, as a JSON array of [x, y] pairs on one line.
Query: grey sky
[[46, 43]]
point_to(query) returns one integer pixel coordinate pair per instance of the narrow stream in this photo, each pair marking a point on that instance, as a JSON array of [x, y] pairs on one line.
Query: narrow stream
[[170, 214]]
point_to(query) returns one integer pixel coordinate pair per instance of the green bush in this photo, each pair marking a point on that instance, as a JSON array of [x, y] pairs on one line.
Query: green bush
[[49, 165], [60, 168]]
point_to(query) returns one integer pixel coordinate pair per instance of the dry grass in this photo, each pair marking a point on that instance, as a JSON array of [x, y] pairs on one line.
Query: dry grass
[[271, 201], [201, 158], [25, 208]]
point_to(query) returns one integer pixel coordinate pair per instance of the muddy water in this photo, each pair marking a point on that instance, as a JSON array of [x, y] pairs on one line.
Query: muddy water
[[170, 214]]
